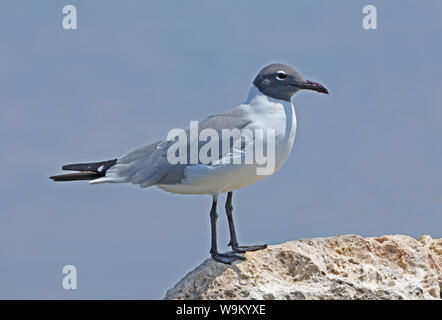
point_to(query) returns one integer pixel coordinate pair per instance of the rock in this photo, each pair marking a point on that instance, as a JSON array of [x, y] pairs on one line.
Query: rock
[[341, 267]]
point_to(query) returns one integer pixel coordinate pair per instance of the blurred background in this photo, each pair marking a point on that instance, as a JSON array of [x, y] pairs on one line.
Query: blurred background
[[367, 158]]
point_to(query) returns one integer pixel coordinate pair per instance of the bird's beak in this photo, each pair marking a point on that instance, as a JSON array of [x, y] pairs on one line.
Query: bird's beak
[[311, 85]]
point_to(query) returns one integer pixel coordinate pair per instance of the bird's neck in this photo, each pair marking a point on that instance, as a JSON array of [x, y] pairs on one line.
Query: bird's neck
[[256, 95], [253, 93]]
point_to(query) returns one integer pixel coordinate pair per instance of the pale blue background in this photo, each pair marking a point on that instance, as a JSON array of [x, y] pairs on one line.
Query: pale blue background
[[367, 159]]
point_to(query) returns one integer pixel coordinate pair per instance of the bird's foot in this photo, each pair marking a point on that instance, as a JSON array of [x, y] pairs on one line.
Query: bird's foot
[[227, 258], [243, 249]]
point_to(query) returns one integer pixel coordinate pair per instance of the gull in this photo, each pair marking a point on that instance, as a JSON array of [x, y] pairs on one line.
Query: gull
[[268, 108]]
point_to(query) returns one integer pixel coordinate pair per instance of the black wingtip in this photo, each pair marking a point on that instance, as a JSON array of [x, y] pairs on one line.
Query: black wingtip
[[99, 167], [84, 175], [88, 171]]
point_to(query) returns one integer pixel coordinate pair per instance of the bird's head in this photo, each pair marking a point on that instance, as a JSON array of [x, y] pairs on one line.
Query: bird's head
[[281, 82]]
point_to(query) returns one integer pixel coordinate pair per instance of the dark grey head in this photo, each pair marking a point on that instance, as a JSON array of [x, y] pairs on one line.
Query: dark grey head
[[282, 82]]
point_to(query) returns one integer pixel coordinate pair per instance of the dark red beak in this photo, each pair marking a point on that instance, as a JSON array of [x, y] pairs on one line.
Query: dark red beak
[[311, 85]]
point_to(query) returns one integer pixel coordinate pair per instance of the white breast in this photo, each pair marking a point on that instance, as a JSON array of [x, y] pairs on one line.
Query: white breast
[[267, 112]]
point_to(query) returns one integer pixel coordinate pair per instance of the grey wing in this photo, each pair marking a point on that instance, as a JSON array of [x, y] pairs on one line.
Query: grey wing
[[144, 166], [149, 165]]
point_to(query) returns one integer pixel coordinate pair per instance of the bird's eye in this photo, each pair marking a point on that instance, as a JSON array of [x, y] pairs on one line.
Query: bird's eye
[[281, 75]]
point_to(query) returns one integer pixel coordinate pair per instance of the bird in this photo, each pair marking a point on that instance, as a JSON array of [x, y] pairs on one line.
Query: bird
[[268, 108]]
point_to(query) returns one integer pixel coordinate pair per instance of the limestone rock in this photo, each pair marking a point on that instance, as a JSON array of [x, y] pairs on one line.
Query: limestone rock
[[341, 267]]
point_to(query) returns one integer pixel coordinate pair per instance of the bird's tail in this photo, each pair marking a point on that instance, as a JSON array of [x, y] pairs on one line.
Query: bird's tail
[[88, 171]]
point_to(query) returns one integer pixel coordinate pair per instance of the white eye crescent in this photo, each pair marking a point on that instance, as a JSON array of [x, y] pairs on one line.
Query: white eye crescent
[[281, 75]]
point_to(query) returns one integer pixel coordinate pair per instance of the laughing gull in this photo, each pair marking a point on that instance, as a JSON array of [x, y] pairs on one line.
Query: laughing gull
[[268, 108]]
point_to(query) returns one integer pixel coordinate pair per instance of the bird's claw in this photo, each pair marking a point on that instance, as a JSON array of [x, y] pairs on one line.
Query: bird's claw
[[243, 249], [227, 258]]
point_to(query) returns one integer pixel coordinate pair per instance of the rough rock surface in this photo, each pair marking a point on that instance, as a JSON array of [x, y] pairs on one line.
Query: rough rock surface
[[342, 267]]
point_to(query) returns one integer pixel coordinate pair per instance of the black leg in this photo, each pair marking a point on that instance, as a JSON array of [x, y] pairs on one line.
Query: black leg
[[221, 257], [229, 211], [233, 241]]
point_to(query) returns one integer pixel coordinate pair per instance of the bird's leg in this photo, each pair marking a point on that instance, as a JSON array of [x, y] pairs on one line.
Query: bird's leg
[[227, 258], [229, 211], [233, 241]]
